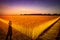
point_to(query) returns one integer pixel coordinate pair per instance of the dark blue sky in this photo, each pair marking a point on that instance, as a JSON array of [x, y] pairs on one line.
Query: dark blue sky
[[46, 4]]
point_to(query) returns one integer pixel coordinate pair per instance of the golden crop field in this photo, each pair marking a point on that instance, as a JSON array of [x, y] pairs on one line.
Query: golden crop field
[[28, 27]]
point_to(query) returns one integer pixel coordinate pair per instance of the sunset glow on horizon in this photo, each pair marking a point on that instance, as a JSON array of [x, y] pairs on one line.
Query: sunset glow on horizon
[[29, 7]]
